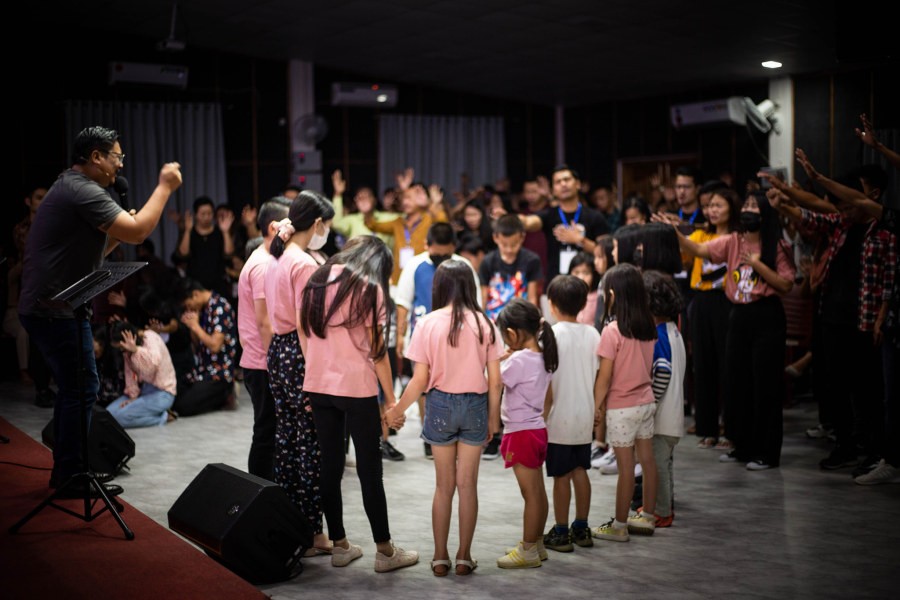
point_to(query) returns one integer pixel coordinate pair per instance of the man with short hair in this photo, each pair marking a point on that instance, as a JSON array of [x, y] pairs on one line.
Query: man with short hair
[[79, 223], [570, 227], [687, 188]]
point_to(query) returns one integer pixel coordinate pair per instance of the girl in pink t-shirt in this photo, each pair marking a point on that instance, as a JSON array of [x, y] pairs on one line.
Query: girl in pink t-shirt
[[296, 445], [623, 393], [343, 335], [526, 377], [451, 347], [760, 270]]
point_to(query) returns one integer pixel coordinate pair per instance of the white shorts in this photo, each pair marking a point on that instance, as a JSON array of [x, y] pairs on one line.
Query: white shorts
[[623, 425]]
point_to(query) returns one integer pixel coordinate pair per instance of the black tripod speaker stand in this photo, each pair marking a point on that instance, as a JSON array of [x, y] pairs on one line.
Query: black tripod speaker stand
[[77, 297]]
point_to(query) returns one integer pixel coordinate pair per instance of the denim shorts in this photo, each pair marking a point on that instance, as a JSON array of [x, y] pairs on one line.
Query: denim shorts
[[451, 418]]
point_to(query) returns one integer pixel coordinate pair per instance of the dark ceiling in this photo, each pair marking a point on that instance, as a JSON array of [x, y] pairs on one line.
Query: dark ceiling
[[567, 52]]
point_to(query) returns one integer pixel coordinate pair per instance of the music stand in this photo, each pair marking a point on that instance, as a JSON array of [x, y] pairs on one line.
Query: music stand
[[77, 297]]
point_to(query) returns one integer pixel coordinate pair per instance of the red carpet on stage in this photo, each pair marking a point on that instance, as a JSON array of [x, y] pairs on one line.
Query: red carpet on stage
[[56, 555]]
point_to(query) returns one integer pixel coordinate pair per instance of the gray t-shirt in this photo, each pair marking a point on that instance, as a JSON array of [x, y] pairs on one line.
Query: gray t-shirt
[[65, 242]]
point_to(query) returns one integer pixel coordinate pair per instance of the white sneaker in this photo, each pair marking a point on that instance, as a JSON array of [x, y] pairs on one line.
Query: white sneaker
[[817, 432], [883, 473], [638, 470], [399, 559], [610, 468], [609, 457], [341, 557]]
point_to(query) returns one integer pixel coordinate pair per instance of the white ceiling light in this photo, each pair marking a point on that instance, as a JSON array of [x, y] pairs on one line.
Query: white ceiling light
[[771, 64]]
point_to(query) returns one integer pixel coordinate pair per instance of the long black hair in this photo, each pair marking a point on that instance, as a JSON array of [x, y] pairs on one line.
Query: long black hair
[[660, 248], [367, 264], [305, 209], [521, 315], [631, 307], [117, 328], [770, 234], [454, 284]]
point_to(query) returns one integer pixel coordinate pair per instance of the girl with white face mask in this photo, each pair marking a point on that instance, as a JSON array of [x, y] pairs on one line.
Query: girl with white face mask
[[297, 458]]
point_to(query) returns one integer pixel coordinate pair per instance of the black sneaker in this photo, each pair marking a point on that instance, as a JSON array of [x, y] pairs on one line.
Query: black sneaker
[[77, 490], [45, 398], [492, 450], [839, 458], [866, 465], [582, 536], [561, 542], [388, 452], [428, 451]]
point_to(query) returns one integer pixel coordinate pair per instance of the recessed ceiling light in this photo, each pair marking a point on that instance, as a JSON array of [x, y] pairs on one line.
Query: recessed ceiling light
[[772, 64], [381, 98]]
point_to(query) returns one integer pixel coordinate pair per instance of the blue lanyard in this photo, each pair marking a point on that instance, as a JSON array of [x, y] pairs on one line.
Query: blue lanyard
[[693, 216], [562, 216], [408, 232]]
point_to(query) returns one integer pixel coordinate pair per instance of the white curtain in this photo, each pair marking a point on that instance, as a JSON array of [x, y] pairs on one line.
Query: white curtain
[[441, 149], [152, 134]]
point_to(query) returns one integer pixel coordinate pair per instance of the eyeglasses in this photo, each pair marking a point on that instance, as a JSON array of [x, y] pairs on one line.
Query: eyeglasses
[[118, 156]]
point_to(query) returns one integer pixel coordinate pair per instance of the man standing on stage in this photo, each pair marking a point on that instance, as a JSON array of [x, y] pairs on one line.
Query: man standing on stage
[[77, 225]]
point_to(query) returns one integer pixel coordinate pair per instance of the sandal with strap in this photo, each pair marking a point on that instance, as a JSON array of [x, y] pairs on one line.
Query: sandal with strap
[[724, 444], [465, 567], [440, 567], [707, 442]]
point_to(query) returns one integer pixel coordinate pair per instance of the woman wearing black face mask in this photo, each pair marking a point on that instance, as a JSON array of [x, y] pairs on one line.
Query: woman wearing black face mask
[[759, 269]]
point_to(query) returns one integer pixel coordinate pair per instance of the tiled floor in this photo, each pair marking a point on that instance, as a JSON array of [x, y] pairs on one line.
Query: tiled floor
[[792, 532]]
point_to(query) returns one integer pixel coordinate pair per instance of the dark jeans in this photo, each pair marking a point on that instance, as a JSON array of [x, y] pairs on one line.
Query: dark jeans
[[754, 363], [364, 423], [891, 356], [57, 340], [709, 326], [262, 449], [202, 397], [853, 383], [38, 368]]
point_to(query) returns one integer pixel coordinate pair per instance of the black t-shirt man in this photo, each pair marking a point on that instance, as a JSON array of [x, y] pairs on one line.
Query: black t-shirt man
[[589, 221]]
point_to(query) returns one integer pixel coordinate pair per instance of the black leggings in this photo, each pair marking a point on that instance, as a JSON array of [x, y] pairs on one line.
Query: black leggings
[[360, 416]]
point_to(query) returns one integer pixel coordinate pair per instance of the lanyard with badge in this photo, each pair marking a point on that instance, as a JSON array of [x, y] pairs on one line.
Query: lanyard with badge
[[566, 252], [407, 252]]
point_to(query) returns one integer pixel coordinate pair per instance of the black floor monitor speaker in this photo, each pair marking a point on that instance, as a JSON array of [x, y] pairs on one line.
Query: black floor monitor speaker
[[244, 522], [109, 444]]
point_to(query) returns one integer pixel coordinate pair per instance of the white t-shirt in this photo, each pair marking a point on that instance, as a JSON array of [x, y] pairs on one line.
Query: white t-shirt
[[571, 418], [670, 408]]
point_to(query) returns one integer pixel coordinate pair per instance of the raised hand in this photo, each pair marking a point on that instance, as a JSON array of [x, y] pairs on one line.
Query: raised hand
[[338, 183], [225, 220], [117, 298], [867, 135], [405, 179], [188, 220], [170, 176], [806, 164], [543, 186], [435, 193], [129, 342], [774, 180], [249, 215]]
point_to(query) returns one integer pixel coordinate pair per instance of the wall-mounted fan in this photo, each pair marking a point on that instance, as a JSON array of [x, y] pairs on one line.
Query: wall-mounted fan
[[310, 129], [762, 116]]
